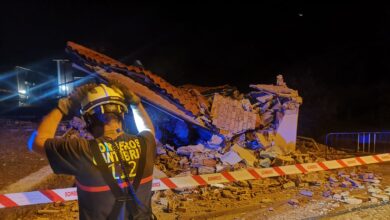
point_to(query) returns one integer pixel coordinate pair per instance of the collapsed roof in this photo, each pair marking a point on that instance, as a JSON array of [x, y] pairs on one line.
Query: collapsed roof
[[221, 111]]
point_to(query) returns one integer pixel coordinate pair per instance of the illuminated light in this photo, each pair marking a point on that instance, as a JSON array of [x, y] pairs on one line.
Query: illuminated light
[[31, 140], [6, 75], [64, 88], [9, 97], [22, 91], [139, 122]]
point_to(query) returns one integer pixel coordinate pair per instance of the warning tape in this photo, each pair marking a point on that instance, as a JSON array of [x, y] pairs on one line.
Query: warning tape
[[68, 194]]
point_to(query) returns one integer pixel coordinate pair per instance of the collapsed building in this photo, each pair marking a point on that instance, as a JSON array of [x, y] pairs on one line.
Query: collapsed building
[[205, 129]]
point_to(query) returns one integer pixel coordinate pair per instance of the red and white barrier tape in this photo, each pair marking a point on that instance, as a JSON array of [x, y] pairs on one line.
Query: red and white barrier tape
[[68, 194]]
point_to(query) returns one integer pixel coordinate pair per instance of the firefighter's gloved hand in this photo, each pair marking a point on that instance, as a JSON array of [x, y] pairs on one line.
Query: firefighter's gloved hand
[[66, 106], [72, 103], [130, 97]]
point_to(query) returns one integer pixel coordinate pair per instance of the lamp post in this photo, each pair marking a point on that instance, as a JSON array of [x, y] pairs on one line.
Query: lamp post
[[62, 88]]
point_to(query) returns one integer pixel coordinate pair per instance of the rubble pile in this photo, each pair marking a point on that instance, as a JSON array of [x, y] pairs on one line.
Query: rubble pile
[[247, 132], [254, 121], [340, 187]]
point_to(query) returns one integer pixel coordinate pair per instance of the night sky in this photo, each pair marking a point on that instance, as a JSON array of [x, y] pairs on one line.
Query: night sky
[[337, 56]]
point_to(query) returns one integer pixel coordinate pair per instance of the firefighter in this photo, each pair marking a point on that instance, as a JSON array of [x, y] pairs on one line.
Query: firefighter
[[113, 171]]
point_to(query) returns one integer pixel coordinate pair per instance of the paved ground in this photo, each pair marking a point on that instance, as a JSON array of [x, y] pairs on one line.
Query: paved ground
[[379, 213]]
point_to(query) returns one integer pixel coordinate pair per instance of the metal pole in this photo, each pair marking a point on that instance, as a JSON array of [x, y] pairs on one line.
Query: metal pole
[[59, 74], [369, 142], [358, 142], [364, 141], [17, 79]]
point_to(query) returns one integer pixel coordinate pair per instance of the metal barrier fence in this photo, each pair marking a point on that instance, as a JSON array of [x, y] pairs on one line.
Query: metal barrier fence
[[359, 142]]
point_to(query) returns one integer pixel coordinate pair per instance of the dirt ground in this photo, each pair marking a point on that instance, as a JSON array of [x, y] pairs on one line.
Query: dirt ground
[[16, 161], [256, 199], [270, 203]]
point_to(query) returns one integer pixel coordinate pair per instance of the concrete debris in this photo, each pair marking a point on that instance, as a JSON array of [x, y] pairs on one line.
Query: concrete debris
[[313, 178], [169, 147], [245, 154], [366, 176], [353, 201], [215, 141], [268, 154], [333, 179], [265, 162], [337, 197], [231, 158], [218, 185], [188, 150], [160, 150], [205, 170], [374, 200], [306, 193], [354, 183], [371, 180], [374, 190], [344, 194], [327, 193], [163, 201], [384, 198], [345, 184], [283, 161], [227, 194], [288, 185], [293, 202]]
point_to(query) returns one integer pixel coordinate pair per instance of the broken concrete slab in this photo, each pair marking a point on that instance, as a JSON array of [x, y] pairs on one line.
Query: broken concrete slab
[[188, 150], [268, 154], [205, 170], [245, 154], [265, 162], [231, 158]]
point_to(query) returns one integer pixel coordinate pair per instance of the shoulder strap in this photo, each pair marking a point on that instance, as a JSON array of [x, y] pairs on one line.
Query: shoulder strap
[[141, 163]]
